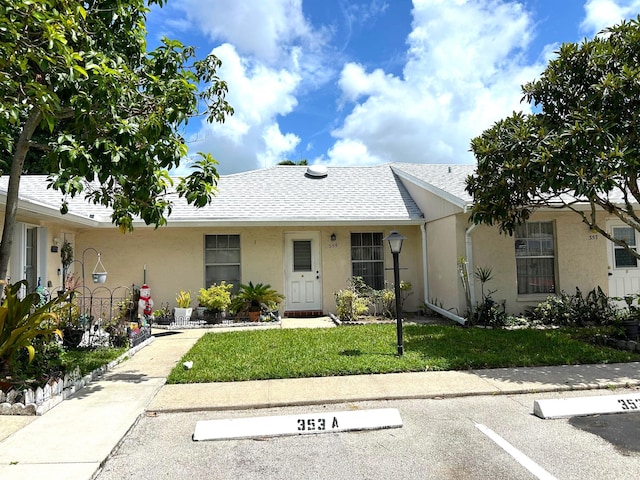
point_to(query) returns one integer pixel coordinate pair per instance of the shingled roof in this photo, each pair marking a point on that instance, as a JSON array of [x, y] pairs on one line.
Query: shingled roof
[[287, 195]]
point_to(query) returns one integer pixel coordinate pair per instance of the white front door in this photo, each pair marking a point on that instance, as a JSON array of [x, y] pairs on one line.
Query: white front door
[[303, 279], [624, 271]]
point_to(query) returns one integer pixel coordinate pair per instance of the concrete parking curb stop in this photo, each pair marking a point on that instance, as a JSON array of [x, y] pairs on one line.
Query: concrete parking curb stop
[[73, 440]]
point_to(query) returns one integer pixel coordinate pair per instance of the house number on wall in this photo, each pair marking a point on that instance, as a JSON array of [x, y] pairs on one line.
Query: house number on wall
[[593, 236]]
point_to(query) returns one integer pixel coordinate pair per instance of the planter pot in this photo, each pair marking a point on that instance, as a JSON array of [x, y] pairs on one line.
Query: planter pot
[[254, 316], [99, 277], [631, 329], [162, 320], [182, 315], [214, 317], [71, 337]]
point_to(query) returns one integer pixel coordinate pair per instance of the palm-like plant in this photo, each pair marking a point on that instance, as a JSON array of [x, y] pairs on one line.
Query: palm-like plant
[[21, 320], [251, 297]]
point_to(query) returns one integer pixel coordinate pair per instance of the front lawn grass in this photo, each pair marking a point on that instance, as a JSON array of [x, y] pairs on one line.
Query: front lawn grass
[[368, 349], [88, 360]]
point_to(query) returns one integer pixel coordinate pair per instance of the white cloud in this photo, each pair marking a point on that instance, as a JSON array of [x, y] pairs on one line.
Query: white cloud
[[251, 137], [263, 29], [606, 13], [277, 145], [464, 72], [465, 61]]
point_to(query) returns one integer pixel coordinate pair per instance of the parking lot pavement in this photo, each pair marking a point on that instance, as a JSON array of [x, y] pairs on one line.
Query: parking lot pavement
[[439, 439]]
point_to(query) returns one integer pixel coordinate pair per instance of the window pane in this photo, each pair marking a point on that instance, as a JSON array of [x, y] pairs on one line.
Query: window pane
[[367, 258], [222, 259], [228, 273], [626, 234], [234, 241], [301, 255], [535, 257], [624, 258], [536, 275]]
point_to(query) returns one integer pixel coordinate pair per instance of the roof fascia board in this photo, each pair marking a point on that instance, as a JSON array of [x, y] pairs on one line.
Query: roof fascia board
[[47, 212], [457, 201], [284, 223]]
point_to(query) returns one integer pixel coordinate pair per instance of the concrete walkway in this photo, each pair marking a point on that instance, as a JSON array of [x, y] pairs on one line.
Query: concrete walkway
[[73, 440]]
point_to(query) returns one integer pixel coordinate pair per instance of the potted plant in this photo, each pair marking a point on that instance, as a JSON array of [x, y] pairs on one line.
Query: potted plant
[[216, 299], [630, 323], [184, 310], [252, 299], [162, 316]]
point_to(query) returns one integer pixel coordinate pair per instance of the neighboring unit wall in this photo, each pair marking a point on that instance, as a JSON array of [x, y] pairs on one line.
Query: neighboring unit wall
[[581, 260], [445, 245]]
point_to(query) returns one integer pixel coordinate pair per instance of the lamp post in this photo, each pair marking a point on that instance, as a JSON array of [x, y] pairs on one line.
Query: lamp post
[[395, 244]]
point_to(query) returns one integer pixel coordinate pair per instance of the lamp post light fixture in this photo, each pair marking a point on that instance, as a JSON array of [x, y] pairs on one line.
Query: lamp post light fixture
[[395, 244]]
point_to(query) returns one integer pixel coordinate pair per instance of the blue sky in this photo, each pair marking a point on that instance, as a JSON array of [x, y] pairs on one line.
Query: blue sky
[[362, 82]]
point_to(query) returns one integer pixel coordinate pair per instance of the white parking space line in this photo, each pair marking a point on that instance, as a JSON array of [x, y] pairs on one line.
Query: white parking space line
[[520, 457]]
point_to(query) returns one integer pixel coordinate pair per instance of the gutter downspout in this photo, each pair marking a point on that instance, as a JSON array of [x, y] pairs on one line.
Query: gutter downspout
[[425, 274]]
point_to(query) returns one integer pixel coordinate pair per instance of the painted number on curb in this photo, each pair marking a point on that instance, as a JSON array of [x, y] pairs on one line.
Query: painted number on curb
[[629, 404], [313, 424]]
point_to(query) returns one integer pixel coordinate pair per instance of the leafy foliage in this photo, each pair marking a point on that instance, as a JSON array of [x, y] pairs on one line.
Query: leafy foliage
[[23, 319], [216, 297], [252, 297], [579, 147], [350, 305], [79, 89], [575, 310], [183, 299]]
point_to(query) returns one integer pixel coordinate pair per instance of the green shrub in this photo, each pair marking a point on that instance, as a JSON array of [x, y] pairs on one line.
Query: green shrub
[[22, 320], [350, 305], [252, 297], [575, 310], [388, 300], [216, 298]]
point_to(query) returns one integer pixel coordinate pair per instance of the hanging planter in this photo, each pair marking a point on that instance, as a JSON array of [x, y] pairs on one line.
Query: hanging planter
[[99, 273]]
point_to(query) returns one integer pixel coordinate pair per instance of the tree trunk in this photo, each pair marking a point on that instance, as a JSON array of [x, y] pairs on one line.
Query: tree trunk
[[17, 163]]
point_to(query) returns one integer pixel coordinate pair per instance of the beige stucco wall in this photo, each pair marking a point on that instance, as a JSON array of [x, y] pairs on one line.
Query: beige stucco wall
[[445, 245], [174, 258], [581, 260]]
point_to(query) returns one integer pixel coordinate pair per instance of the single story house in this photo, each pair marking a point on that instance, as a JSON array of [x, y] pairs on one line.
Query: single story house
[[307, 230]]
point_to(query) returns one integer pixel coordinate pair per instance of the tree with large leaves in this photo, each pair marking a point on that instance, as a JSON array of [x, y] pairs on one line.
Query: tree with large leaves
[[579, 150], [79, 90]]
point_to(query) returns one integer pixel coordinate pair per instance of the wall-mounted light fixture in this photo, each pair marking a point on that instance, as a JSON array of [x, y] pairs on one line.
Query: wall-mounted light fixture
[[56, 245], [333, 237]]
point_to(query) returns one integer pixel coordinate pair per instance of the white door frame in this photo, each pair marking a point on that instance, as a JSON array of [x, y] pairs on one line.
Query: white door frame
[[303, 289], [18, 263], [623, 280]]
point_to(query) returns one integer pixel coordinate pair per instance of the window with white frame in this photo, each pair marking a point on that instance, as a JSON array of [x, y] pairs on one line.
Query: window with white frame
[[222, 259], [623, 257], [535, 257], [367, 258]]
